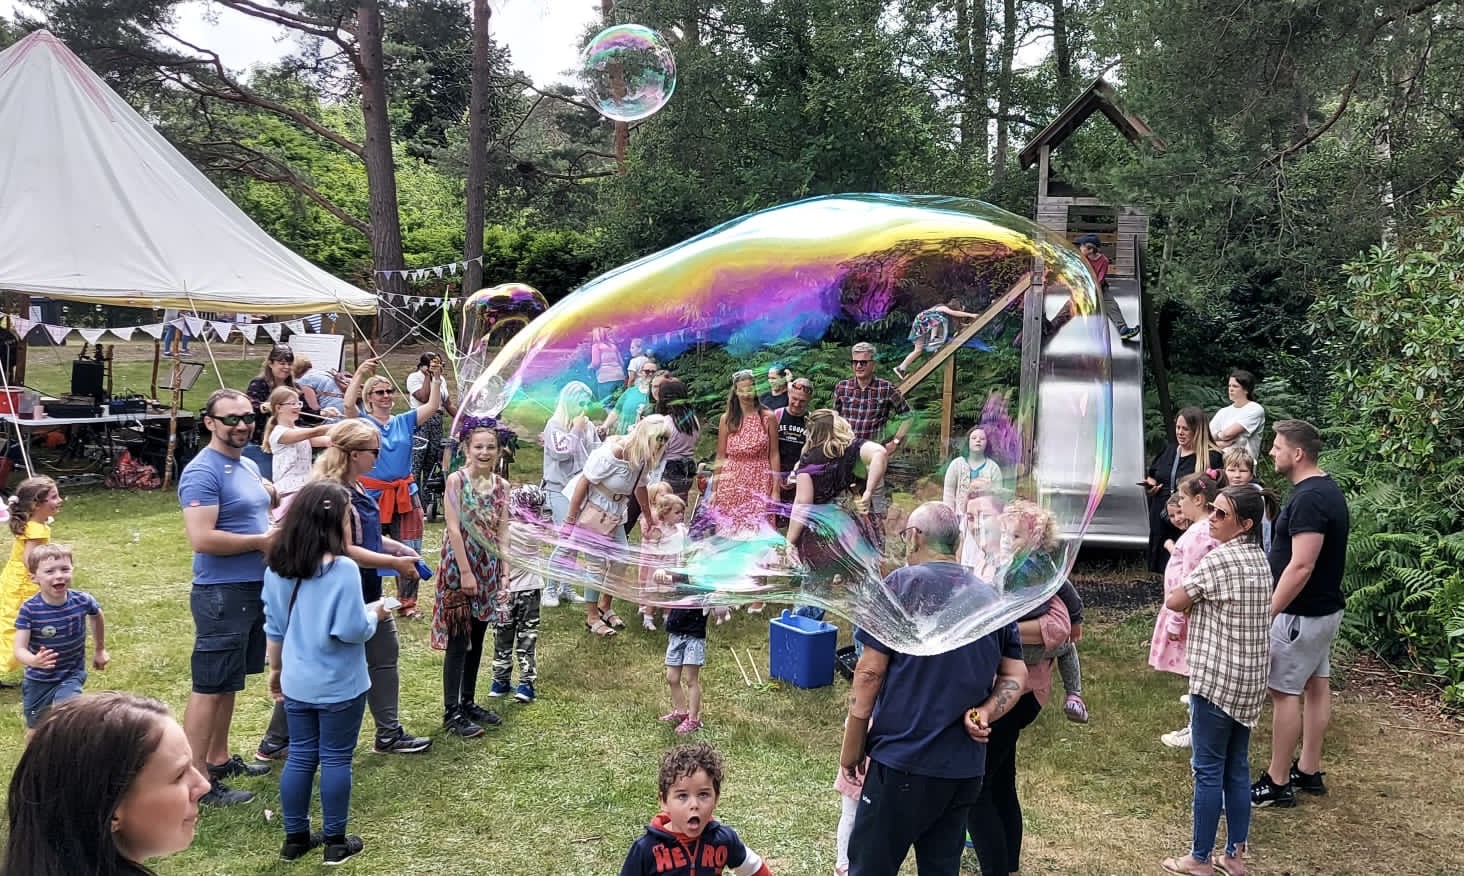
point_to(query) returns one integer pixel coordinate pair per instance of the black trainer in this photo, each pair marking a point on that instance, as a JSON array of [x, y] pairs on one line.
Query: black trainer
[[485, 717], [269, 750], [1267, 793], [401, 743], [220, 794], [1309, 782], [295, 849], [457, 722], [338, 852], [235, 766]]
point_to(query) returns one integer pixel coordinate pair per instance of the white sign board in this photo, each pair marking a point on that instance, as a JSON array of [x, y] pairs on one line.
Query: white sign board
[[323, 351]]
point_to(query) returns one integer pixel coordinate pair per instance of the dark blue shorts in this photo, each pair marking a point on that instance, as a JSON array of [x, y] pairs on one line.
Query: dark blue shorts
[[38, 696], [228, 621]]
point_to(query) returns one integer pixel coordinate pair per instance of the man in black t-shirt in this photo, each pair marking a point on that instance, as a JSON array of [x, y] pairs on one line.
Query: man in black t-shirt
[[1308, 554], [777, 394], [792, 433]]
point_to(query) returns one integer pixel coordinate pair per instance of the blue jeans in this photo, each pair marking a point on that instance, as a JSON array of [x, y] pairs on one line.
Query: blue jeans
[[171, 331], [324, 735], [1221, 761]]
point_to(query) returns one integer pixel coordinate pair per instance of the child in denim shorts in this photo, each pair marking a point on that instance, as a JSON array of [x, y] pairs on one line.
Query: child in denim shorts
[[50, 634]]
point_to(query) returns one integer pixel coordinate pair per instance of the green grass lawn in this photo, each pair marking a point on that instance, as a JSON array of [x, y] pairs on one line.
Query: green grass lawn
[[567, 783]]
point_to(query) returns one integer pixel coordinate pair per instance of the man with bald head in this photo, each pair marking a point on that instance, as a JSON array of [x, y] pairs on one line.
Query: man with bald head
[[923, 721]]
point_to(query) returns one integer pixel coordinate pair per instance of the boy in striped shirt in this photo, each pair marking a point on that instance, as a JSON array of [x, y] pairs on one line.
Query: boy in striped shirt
[[50, 635]]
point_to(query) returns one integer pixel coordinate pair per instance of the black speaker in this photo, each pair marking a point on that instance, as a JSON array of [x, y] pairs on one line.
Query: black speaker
[[87, 379]]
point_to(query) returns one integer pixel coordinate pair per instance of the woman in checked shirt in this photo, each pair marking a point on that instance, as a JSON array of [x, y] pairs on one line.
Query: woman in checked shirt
[[1228, 599]]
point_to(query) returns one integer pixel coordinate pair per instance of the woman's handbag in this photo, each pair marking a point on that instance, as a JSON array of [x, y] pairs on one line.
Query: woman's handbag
[[597, 519]]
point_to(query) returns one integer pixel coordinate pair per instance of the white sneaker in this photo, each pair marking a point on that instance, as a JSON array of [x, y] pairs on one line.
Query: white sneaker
[[573, 598], [648, 622], [1177, 739], [549, 599]]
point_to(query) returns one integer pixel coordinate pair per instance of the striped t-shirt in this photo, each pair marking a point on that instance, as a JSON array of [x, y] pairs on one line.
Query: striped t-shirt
[[62, 628]]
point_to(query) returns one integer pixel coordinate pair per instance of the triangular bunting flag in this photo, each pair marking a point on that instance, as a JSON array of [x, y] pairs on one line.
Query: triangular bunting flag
[[156, 330], [249, 331], [438, 271], [456, 266], [21, 326], [273, 329], [195, 325], [123, 334], [296, 326], [91, 336], [58, 333], [222, 329]]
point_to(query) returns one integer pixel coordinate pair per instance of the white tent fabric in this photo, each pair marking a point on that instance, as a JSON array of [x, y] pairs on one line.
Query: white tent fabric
[[95, 205]]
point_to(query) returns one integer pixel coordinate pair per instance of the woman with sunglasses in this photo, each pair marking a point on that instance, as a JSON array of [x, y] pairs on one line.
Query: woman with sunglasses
[[278, 371], [1228, 600], [390, 481]]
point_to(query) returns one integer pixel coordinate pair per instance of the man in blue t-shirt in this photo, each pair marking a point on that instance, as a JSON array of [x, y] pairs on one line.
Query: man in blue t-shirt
[[1308, 558], [226, 517], [923, 721]]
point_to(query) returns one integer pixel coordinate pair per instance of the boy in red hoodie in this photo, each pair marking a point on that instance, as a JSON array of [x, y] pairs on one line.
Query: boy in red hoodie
[[683, 839]]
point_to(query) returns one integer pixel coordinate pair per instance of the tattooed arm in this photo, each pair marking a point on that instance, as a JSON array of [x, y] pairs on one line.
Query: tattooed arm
[[869, 676], [1011, 679]]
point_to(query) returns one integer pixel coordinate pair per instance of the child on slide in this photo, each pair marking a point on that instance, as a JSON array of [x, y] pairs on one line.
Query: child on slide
[[930, 330]]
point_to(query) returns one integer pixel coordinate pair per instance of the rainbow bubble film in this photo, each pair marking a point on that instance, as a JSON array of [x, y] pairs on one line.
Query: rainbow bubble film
[[628, 72], [794, 288], [490, 319]]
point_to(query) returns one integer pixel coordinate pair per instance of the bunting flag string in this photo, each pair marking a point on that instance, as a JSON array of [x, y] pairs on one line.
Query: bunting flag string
[[194, 326], [416, 275]]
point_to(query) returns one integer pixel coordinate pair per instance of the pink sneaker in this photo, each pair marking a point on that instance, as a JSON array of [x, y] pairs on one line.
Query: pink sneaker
[[673, 717], [690, 725]]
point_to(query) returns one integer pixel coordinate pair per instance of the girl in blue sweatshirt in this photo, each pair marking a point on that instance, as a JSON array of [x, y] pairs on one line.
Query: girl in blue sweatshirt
[[317, 627]]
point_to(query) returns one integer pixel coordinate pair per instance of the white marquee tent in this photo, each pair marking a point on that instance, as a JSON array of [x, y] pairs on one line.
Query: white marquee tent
[[95, 205]]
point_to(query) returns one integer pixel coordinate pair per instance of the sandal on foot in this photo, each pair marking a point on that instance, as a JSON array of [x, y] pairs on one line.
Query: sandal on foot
[[613, 619], [1075, 709], [600, 628], [1232, 865], [1186, 866], [673, 717]]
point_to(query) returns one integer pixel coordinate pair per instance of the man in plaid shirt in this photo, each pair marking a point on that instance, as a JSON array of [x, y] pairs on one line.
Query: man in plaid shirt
[[867, 402]]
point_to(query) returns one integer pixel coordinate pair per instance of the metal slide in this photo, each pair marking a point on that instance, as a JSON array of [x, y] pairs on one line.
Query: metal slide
[[1121, 519]]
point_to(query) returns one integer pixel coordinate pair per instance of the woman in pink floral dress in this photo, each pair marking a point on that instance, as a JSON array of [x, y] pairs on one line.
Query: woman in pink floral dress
[[747, 463], [1166, 648]]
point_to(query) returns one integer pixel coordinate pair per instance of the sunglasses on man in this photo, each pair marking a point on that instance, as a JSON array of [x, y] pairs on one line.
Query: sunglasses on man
[[232, 420]]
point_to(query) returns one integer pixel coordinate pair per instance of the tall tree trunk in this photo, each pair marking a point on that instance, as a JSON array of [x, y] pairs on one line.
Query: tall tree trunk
[[1004, 89], [477, 154], [622, 129], [971, 28], [386, 223], [1062, 51]]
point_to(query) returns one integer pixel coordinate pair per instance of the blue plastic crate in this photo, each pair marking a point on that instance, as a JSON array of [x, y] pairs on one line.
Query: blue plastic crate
[[801, 650]]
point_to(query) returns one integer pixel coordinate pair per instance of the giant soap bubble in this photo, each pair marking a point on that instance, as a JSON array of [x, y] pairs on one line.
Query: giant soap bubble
[[628, 71], [491, 317], [795, 287]]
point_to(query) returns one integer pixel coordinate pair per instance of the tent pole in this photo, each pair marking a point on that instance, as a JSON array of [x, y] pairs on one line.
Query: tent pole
[[173, 417], [157, 350]]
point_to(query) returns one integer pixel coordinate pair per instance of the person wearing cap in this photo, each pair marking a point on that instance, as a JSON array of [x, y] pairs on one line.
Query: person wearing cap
[[1089, 245]]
